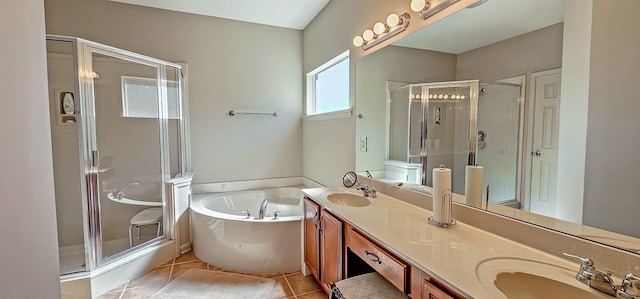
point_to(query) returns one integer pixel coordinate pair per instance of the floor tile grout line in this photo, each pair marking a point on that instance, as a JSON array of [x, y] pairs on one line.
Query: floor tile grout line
[[124, 289], [171, 271], [290, 287]]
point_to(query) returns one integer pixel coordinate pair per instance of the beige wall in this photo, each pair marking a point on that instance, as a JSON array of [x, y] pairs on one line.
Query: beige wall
[[232, 65], [29, 256], [535, 51], [613, 130]]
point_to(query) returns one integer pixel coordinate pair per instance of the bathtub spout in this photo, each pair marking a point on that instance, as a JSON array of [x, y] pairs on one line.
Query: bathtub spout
[[119, 193], [263, 208]]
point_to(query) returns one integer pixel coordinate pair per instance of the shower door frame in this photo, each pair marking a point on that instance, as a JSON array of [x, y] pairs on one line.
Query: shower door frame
[[473, 116], [87, 144]]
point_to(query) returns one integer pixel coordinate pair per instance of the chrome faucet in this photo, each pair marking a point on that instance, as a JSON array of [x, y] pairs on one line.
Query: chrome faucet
[[119, 194], [263, 208], [368, 191], [630, 288], [589, 275]]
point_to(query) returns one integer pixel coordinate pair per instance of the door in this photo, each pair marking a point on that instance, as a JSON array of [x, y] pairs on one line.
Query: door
[[124, 105], [311, 238], [331, 252], [545, 143]]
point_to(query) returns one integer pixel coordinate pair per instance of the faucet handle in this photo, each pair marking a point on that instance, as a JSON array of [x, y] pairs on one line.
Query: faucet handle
[[247, 213], [276, 213], [630, 287], [587, 263]]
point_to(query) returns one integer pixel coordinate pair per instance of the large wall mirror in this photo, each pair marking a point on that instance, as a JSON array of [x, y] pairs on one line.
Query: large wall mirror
[[518, 42]]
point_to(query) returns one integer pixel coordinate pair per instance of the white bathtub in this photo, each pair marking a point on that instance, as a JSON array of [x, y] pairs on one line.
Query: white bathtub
[[223, 237]]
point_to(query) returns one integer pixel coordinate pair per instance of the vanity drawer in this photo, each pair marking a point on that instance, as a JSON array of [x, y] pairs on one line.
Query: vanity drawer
[[391, 268], [430, 291]]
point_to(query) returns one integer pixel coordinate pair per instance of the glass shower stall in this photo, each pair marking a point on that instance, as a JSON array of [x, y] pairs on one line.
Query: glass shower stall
[[456, 124], [118, 126]]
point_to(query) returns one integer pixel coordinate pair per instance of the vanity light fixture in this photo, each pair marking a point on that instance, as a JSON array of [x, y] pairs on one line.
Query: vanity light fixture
[[381, 31], [427, 8]]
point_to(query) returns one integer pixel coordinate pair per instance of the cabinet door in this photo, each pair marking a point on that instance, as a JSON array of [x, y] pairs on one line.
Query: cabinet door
[[331, 248], [311, 238], [430, 291]]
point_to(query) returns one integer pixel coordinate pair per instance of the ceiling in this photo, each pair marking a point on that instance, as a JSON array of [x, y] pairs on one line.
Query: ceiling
[[488, 23], [294, 14]]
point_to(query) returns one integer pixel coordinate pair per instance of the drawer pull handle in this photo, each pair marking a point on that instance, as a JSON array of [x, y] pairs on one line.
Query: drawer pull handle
[[372, 257]]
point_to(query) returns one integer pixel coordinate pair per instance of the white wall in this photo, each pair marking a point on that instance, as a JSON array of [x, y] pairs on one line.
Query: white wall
[[572, 132], [29, 256], [232, 65], [613, 130]]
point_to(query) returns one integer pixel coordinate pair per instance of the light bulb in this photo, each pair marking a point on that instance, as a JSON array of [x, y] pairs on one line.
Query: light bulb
[[380, 28], [367, 35], [393, 20], [358, 41], [419, 5]]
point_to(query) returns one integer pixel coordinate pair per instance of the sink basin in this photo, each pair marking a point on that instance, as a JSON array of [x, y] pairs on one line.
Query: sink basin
[[522, 278], [348, 200]]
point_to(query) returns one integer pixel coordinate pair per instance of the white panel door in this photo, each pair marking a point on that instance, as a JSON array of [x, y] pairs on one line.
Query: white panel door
[[545, 144]]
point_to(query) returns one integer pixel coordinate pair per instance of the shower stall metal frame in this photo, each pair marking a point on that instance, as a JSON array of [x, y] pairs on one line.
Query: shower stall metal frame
[[474, 86], [87, 144]]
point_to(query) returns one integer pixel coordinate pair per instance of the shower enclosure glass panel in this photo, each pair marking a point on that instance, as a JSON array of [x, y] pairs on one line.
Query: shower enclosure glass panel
[[449, 116], [499, 125], [66, 165], [118, 127], [127, 135], [405, 115]]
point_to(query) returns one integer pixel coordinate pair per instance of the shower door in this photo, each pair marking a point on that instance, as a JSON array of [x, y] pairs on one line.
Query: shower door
[[450, 117], [499, 136], [128, 159]]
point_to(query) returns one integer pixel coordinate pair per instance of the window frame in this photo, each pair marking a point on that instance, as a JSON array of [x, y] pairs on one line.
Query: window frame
[[311, 91]]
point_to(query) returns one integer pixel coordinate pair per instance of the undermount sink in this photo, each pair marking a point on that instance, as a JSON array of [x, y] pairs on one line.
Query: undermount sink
[[522, 278], [348, 200]]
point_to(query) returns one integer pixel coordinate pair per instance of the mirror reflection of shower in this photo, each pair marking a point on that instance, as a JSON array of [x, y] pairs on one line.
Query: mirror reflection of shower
[[448, 123], [117, 127]]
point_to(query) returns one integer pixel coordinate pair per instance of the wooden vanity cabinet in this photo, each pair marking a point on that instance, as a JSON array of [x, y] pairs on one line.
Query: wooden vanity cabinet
[[391, 268], [312, 237], [331, 245], [423, 286], [323, 235]]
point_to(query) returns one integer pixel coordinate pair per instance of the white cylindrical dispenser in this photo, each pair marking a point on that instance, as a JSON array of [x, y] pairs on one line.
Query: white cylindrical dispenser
[[473, 186], [441, 197]]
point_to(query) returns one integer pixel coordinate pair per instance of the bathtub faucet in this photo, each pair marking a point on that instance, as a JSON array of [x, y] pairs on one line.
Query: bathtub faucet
[[263, 208], [119, 193]]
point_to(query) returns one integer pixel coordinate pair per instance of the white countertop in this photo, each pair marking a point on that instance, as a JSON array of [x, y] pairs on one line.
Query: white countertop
[[451, 255]]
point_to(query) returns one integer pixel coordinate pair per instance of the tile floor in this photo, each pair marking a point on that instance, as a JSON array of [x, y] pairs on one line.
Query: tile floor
[[288, 285]]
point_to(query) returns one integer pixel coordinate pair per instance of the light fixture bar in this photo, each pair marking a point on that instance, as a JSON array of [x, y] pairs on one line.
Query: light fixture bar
[[404, 21], [434, 6]]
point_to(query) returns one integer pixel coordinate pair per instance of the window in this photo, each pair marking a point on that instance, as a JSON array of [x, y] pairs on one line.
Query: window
[[328, 87], [140, 97]]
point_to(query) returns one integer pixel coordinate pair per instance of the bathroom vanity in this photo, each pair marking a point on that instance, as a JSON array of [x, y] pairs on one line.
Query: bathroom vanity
[[347, 234]]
